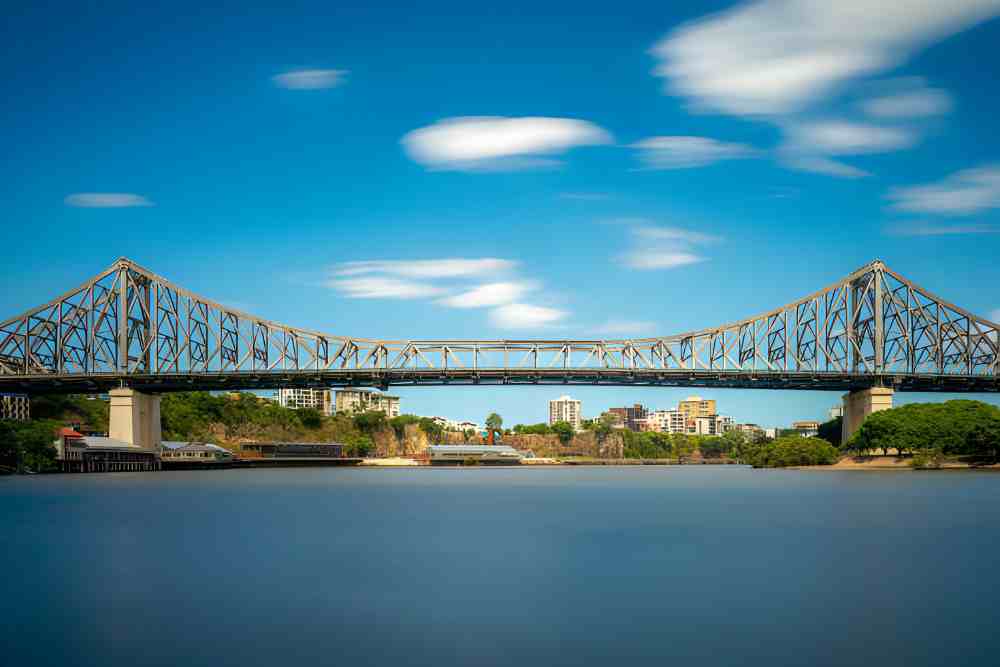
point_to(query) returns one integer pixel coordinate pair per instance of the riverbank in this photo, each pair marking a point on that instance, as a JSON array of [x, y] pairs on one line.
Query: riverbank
[[903, 463]]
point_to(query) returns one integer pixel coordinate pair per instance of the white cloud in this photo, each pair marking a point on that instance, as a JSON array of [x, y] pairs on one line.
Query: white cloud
[[383, 288], [310, 79], [491, 294], [771, 57], [963, 193], [106, 200], [673, 234], [995, 315], [688, 152], [625, 328], [818, 164], [525, 316], [493, 142], [428, 268], [923, 228], [652, 259], [917, 102], [837, 137]]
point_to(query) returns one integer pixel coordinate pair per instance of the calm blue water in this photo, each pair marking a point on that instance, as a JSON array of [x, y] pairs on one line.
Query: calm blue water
[[563, 566]]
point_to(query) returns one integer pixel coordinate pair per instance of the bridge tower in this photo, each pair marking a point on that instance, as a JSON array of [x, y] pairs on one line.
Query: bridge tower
[[860, 403], [135, 418]]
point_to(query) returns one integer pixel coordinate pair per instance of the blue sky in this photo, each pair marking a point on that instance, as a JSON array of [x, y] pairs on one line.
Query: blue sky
[[529, 170]]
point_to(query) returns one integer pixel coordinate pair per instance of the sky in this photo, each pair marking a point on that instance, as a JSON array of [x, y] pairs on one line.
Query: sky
[[565, 170]]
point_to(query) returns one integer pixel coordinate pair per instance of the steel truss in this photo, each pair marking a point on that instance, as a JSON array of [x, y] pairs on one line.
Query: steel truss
[[129, 325]]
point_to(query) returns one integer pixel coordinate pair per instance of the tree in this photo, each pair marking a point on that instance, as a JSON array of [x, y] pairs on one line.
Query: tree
[[831, 430], [310, 417], [370, 421], [564, 430], [494, 421]]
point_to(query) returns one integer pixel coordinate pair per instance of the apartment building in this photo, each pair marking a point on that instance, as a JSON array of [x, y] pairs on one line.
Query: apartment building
[[566, 409], [350, 401], [296, 398]]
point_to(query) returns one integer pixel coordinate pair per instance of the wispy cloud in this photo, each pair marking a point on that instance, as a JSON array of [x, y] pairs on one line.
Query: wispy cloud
[[783, 60], [995, 315], [310, 79], [688, 152], [663, 247], [490, 294], [822, 165], [838, 137], [493, 142], [963, 193], [106, 200], [924, 228], [450, 267], [774, 57], [525, 316], [383, 288], [912, 98]]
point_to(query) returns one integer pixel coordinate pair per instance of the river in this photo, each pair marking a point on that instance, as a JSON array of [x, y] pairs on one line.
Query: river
[[706, 565]]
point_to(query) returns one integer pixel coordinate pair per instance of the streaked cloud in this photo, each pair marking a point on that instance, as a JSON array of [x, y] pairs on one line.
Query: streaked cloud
[[451, 267], [493, 142], [688, 152], [525, 316], [673, 234], [310, 79], [924, 228], [375, 287], [838, 137], [664, 247], [910, 99], [774, 57], [963, 193], [490, 294], [106, 200], [818, 164]]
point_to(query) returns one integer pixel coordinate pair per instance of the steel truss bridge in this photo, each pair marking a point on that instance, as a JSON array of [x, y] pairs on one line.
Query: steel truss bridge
[[130, 327]]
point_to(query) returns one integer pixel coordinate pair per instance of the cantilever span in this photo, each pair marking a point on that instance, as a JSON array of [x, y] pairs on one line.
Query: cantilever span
[[130, 327]]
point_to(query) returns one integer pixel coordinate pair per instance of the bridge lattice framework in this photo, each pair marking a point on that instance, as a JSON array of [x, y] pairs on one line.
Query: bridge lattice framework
[[130, 326]]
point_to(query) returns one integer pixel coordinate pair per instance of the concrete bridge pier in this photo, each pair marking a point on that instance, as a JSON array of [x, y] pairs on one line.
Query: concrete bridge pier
[[135, 418], [860, 403]]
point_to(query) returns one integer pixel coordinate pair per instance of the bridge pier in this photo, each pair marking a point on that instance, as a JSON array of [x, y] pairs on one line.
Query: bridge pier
[[860, 403], [135, 418]]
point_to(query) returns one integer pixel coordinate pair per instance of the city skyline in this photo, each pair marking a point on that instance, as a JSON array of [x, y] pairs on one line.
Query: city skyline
[[580, 175]]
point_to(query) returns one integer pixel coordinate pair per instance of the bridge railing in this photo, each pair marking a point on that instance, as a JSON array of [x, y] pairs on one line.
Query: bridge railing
[[130, 321]]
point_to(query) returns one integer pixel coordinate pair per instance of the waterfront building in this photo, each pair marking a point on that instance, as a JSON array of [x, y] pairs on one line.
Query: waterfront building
[[474, 454], [631, 417], [296, 398], [808, 428], [696, 406], [291, 450], [565, 409], [193, 452], [15, 406], [76, 452], [350, 401]]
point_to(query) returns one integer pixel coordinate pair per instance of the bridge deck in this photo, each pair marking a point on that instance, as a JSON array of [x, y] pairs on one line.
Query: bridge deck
[[380, 378]]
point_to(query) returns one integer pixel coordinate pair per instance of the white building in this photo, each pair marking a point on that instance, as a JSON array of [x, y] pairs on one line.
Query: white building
[[666, 421], [565, 409], [15, 406], [836, 411], [350, 401], [318, 399], [454, 425]]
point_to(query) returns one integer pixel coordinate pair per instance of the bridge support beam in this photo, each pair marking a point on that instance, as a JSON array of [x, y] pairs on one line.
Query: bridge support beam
[[135, 418], [860, 403]]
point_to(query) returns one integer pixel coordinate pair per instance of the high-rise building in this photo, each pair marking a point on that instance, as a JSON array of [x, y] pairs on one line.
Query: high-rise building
[[696, 406], [565, 409], [295, 398], [632, 417], [665, 421], [362, 400]]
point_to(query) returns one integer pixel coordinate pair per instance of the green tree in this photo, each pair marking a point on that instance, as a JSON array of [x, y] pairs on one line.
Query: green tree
[[494, 421], [564, 430], [310, 417]]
